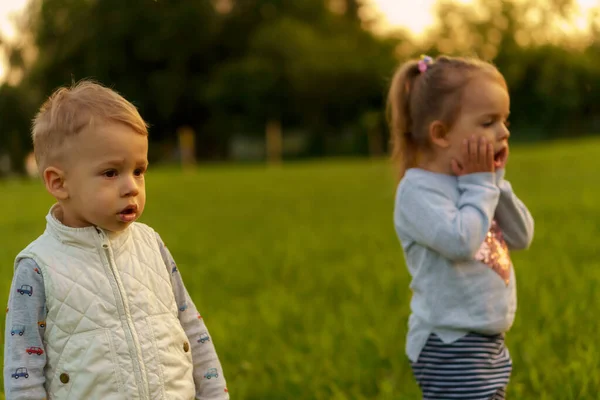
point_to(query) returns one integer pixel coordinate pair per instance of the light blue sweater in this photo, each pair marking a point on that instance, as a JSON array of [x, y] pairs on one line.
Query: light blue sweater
[[453, 253]]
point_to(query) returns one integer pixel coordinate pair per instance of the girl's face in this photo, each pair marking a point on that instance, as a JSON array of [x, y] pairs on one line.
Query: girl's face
[[484, 113]]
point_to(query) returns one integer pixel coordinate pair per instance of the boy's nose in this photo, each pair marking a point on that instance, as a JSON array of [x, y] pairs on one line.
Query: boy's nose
[[131, 188], [134, 191]]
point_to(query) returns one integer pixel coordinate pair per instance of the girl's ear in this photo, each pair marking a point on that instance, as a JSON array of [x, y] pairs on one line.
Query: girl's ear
[[438, 134]]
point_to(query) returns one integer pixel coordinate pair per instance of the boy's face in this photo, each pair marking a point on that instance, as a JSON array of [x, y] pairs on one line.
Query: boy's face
[[104, 177]]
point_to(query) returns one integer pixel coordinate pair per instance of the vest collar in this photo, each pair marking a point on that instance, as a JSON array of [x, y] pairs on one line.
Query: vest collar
[[88, 237]]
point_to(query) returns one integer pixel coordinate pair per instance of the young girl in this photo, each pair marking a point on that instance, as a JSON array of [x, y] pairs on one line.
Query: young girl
[[457, 219]]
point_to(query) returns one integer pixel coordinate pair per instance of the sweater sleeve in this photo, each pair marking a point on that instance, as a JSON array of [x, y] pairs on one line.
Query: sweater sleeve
[[208, 373], [429, 216], [513, 217], [24, 350]]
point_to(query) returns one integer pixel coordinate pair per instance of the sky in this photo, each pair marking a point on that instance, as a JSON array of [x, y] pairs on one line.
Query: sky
[[418, 15], [8, 7], [414, 15]]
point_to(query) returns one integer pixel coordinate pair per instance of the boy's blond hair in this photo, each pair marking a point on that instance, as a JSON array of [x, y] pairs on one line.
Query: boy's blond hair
[[69, 110]]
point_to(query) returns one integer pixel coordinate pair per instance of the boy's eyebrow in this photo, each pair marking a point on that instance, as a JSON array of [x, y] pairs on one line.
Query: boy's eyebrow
[[121, 161], [114, 161]]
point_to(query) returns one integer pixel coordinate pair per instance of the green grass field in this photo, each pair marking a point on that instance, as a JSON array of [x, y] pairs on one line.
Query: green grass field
[[301, 280]]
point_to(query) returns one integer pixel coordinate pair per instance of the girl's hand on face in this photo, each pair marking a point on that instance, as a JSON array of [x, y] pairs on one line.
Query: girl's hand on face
[[477, 156]]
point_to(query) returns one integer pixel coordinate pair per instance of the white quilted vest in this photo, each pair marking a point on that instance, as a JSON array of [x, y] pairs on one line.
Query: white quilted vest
[[111, 330]]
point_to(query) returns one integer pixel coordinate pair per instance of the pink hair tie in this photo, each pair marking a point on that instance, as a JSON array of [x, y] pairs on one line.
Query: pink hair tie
[[424, 62]]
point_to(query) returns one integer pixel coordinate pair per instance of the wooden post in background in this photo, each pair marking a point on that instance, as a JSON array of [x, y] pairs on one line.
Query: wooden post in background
[[187, 146], [374, 135], [274, 142], [375, 142]]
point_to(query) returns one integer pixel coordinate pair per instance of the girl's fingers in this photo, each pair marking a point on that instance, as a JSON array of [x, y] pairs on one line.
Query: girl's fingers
[[456, 168], [490, 156], [482, 156], [473, 150], [478, 156]]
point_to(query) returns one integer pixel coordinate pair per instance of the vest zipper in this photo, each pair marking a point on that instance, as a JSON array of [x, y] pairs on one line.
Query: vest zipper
[[123, 307]]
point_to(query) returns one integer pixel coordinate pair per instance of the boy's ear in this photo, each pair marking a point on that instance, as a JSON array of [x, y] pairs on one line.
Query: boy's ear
[[438, 134], [54, 179]]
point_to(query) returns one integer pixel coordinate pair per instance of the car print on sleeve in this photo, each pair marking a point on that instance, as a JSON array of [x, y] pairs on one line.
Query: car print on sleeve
[[20, 372], [35, 350], [204, 338], [211, 373], [25, 289], [17, 330]]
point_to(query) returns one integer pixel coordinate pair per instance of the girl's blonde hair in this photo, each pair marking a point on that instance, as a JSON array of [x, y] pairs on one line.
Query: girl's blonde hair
[[69, 110], [418, 97]]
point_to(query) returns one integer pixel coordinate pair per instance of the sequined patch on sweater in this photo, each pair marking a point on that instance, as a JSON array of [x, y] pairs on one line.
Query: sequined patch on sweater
[[494, 253]]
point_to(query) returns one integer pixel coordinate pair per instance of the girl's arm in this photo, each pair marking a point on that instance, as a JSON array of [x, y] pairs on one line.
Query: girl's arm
[[512, 215], [428, 214]]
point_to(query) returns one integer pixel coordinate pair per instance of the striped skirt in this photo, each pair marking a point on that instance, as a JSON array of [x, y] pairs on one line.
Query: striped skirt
[[475, 367]]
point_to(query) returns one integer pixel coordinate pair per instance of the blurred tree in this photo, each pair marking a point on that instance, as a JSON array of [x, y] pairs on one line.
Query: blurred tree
[[156, 53], [15, 111], [324, 74], [224, 67], [219, 67], [552, 79]]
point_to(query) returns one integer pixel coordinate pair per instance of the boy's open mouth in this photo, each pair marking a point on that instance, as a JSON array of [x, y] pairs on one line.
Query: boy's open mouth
[[129, 213]]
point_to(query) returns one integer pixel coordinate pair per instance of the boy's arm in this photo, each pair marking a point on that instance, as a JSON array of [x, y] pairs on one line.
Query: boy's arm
[[204, 355], [429, 216], [513, 216], [24, 351]]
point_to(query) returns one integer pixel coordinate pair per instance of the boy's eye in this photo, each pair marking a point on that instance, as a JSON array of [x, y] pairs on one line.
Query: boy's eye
[[139, 172], [111, 173], [487, 124]]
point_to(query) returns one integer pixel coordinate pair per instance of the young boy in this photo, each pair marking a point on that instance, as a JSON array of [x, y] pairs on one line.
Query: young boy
[[97, 308]]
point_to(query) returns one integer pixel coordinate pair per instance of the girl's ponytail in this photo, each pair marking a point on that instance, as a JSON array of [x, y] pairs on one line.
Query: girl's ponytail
[[404, 146]]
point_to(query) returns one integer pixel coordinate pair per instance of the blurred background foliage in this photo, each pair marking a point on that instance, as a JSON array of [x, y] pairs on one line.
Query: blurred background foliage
[[314, 73]]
